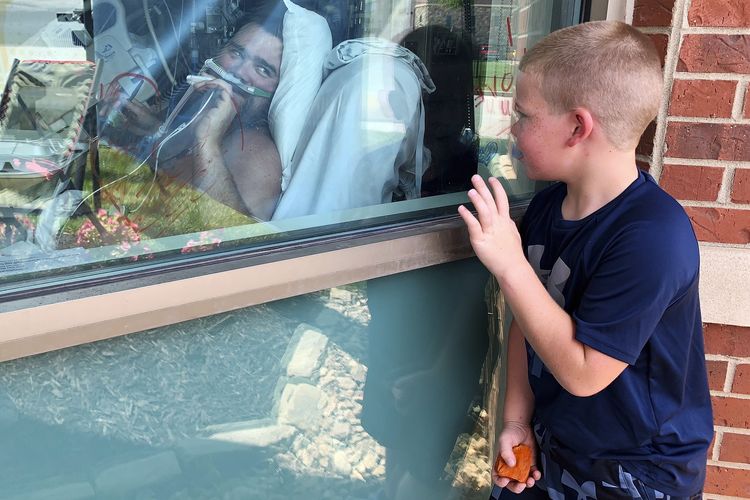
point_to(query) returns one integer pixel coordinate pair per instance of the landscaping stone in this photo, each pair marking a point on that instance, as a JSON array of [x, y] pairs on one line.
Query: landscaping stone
[[306, 356], [260, 437], [301, 406]]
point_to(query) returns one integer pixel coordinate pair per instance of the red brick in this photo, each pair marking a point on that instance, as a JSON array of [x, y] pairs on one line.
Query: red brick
[[735, 448], [741, 382], [746, 110], [720, 225], [731, 412], [715, 54], [692, 182], [720, 13], [714, 141], [717, 373], [741, 186], [653, 12], [702, 98], [726, 481], [727, 340], [646, 144], [661, 42]]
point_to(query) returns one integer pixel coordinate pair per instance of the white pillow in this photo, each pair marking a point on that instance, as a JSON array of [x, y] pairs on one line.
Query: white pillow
[[306, 43]]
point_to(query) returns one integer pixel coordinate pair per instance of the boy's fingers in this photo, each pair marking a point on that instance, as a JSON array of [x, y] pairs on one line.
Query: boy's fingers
[[502, 482], [516, 487], [500, 196], [536, 473], [484, 213], [484, 192], [508, 456], [471, 222]]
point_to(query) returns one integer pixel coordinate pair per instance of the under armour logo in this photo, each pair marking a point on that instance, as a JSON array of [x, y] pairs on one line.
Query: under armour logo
[[555, 279]]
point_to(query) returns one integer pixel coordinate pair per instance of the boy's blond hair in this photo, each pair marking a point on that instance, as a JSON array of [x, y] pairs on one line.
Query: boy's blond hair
[[607, 67]]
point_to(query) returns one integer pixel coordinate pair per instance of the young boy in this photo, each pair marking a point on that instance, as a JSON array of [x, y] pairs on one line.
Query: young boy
[[609, 387]]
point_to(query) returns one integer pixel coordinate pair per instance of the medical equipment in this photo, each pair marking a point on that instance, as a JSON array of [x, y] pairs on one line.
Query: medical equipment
[[228, 77]]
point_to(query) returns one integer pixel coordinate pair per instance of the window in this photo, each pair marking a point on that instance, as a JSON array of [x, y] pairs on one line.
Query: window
[[110, 183], [370, 390], [146, 135]]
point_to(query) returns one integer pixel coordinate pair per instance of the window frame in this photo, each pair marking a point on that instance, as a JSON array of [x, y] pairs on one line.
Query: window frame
[[73, 317], [81, 309]]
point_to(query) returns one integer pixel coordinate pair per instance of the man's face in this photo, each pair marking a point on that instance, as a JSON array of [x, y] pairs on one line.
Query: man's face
[[254, 56]]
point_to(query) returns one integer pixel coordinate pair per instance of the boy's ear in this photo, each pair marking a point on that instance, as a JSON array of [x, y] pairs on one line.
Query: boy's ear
[[583, 124]]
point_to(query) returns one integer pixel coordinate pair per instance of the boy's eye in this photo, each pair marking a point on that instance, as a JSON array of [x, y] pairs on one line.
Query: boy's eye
[[263, 71]]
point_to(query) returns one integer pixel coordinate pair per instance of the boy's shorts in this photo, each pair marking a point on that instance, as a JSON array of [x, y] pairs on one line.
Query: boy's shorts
[[563, 479]]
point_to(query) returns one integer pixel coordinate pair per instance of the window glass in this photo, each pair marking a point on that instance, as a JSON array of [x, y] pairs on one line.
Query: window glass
[[375, 390], [147, 131]]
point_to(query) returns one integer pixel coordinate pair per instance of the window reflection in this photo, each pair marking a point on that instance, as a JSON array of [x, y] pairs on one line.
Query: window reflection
[[353, 393], [230, 123]]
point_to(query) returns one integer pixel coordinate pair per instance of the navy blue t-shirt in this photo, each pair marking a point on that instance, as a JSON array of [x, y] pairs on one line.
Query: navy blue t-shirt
[[628, 275]]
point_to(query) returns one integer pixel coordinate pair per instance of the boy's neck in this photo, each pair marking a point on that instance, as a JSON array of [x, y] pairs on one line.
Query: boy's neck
[[599, 180]]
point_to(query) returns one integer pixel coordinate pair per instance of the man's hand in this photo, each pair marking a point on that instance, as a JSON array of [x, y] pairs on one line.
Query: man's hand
[[492, 232], [139, 118], [123, 118], [513, 434], [214, 122]]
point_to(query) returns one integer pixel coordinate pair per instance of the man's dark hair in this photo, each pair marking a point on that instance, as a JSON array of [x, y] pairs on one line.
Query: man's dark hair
[[268, 14]]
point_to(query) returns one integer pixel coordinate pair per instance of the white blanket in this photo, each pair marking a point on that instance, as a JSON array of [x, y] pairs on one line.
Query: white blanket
[[362, 143]]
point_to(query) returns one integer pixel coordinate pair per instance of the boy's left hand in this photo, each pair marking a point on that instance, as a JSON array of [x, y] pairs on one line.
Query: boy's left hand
[[493, 234]]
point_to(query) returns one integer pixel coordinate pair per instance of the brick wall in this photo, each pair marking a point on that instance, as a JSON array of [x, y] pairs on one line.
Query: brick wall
[[699, 150]]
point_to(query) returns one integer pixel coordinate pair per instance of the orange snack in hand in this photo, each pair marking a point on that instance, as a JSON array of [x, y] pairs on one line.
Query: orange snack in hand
[[520, 472]]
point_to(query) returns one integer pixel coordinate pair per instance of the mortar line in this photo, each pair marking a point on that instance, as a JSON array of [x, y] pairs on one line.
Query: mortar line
[[679, 19]]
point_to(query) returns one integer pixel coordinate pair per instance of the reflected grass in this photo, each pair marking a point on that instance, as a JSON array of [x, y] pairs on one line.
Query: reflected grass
[[158, 206], [488, 75]]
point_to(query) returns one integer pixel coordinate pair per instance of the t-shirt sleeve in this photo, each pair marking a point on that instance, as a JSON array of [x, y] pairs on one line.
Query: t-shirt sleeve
[[642, 271]]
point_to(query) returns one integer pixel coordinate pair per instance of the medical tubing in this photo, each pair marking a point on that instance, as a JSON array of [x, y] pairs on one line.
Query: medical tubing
[[164, 141], [156, 163], [225, 75], [157, 45]]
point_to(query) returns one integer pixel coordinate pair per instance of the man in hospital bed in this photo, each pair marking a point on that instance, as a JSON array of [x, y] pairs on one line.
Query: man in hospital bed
[[225, 149], [347, 123]]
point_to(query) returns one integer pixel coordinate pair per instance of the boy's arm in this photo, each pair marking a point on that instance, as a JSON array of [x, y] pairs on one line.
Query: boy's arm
[[518, 408], [519, 400], [580, 369]]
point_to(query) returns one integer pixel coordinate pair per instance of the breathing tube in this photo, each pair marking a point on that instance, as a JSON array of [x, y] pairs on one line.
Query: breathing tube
[[211, 66]]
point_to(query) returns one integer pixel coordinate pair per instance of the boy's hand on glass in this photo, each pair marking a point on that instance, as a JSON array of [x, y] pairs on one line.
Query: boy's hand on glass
[[493, 234], [513, 434]]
